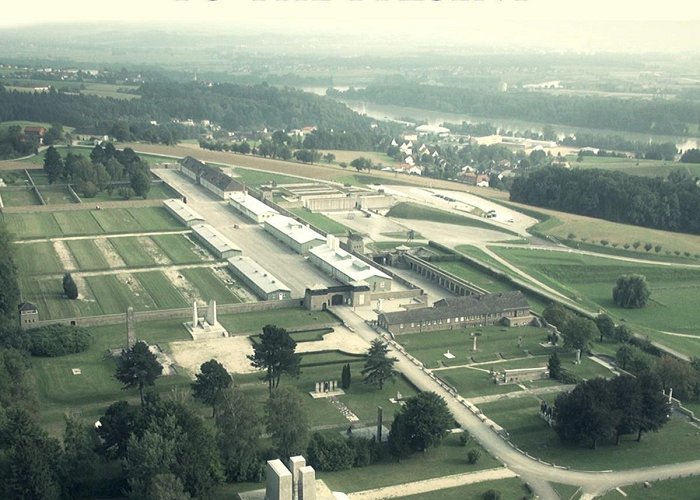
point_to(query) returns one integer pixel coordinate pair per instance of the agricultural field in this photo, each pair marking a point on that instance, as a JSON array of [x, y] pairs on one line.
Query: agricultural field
[[37, 258], [322, 222], [632, 166], [678, 441], [675, 291]]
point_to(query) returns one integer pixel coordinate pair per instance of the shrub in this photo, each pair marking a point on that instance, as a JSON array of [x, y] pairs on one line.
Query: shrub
[[473, 456], [464, 439], [69, 287], [626, 246], [329, 454], [362, 449], [604, 242], [657, 248], [491, 495], [636, 244], [57, 340]]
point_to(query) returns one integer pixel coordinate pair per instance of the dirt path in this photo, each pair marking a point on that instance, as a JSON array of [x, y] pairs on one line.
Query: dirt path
[[153, 250], [182, 285], [65, 256], [136, 270], [434, 484], [520, 394]]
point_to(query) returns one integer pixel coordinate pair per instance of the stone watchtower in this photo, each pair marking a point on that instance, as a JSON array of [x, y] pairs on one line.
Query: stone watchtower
[[28, 315]]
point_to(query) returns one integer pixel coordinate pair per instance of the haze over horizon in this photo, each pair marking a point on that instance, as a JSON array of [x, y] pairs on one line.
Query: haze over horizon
[[575, 25]]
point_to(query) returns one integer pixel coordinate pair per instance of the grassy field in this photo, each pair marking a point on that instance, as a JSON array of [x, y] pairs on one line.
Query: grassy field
[[406, 210], [561, 225], [210, 286], [178, 248], [480, 255], [37, 258], [686, 488], [494, 343], [291, 319], [256, 178], [87, 222], [675, 292], [56, 195], [87, 255], [342, 156], [159, 287], [19, 198], [48, 295], [678, 441], [132, 251], [322, 222], [509, 489], [447, 459]]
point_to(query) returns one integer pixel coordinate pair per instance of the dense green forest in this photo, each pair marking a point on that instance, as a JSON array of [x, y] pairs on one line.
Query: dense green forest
[[672, 204], [234, 107], [657, 116]]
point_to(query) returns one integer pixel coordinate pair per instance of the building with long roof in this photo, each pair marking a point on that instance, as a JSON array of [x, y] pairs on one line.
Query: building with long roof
[[506, 308], [251, 207], [215, 242], [183, 212], [346, 268], [297, 236], [209, 177], [260, 281]]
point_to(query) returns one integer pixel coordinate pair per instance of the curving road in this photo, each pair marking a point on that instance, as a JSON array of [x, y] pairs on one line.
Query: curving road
[[535, 473]]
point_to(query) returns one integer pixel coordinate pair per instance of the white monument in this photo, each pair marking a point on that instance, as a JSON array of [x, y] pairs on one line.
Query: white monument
[[207, 327]]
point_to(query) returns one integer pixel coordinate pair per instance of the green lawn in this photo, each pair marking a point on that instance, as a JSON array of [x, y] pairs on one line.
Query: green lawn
[[87, 255], [179, 248], [210, 286], [32, 225], [48, 295], [494, 343], [77, 222], [447, 459], [286, 318], [113, 296], [256, 178], [481, 256], [19, 198], [678, 441], [37, 258], [321, 221], [675, 292], [406, 210], [686, 488], [132, 251], [632, 166], [510, 489]]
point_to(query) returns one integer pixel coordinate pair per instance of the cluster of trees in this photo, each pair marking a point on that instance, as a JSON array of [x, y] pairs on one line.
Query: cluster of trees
[[663, 116], [421, 424], [600, 409], [641, 149], [13, 145], [107, 169], [671, 204], [691, 156], [57, 340], [631, 291]]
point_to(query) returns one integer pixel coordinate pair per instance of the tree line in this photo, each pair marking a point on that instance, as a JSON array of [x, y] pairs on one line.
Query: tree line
[[672, 204], [658, 116], [234, 107]]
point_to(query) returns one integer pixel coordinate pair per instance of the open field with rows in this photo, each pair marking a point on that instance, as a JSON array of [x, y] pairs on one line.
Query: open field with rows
[[35, 225], [322, 222]]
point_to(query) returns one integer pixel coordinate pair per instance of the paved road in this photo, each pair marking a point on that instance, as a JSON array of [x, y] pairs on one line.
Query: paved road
[[280, 260], [533, 472]]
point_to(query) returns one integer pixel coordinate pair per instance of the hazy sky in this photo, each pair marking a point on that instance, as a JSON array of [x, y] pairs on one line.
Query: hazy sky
[[568, 24]]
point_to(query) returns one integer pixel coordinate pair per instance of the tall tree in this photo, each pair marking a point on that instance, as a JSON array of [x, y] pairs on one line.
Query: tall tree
[[274, 353], [554, 366], [138, 367], [631, 291], [627, 405], [53, 164], [210, 382], [287, 422], [117, 425], [606, 326], [399, 438], [578, 333], [655, 409], [9, 289], [239, 429], [69, 287], [379, 367], [79, 460], [427, 419]]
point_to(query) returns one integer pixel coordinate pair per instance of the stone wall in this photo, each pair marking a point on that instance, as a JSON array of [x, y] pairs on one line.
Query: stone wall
[[182, 313]]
